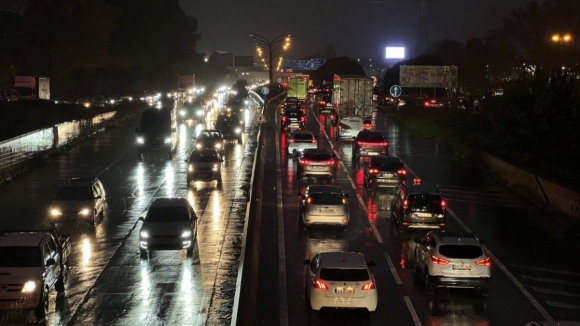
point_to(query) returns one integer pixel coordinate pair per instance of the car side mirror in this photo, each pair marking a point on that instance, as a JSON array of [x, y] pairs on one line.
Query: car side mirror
[[194, 217], [306, 262], [299, 194], [141, 219], [136, 130], [346, 195], [221, 160], [371, 263], [417, 240], [50, 262], [98, 197]]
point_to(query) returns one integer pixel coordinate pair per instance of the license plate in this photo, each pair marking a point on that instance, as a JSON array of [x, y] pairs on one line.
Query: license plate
[[387, 175], [372, 153], [461, 267], [326, 210], [317, 167], [204, 175], [343, 289], [424, 214], [165, 241]]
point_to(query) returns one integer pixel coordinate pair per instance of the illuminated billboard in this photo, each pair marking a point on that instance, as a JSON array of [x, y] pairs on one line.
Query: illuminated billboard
[[395, 52]]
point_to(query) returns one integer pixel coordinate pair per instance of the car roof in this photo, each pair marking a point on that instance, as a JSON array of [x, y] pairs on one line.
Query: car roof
[[370, 132], [422, 188], [170, 202], [316, 151], [385, 159], [324, 189], [457, 237], [342, 260], [22, 239], [80, 182]]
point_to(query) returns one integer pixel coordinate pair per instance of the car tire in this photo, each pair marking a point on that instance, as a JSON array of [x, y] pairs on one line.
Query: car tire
[[42, 307], [240, 140], [484, 291], [60, 283], [428, 284], [189, 251], [143, 254]]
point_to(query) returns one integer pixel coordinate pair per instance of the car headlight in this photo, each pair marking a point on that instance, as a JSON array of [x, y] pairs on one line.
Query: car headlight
[[218, 146], [245, 101], [186, 234], [144, 234], [215, 167], [238, 130], [29, 286], [200, 113], [140, 140], [168, 140], [85, 211], [55, 212], [182, 112], [190, 168], [198, 146]]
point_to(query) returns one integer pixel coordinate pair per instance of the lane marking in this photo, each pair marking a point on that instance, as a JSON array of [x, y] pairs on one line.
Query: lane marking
[[392, 268], [549, 270], [556, 292], [414, 315], [282, 295], [111, 165], [549, 280], [563, 305]]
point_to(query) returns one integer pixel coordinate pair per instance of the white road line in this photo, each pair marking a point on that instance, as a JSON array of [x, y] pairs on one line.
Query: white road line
[[548, 270], [362, 203], [563, 305], [353, 185], [499, 264], [376, 232], [392, 268], [549, 280], [110, 165], [282, 295], [414, 315], [556, 292]]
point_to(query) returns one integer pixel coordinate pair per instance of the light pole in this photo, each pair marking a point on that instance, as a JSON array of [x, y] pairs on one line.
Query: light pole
[[561, 39], [271, 49]]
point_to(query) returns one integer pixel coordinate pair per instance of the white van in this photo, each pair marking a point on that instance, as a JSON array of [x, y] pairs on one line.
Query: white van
[[349, 127]]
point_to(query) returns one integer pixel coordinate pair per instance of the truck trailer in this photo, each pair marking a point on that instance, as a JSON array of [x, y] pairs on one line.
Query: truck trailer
[[32, 88]]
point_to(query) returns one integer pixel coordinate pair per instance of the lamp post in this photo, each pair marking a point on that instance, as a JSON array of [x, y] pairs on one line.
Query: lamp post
[[561, 39], [271, 49]]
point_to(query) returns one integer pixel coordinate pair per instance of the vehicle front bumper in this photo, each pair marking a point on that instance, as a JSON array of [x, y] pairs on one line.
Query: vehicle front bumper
[[459, 282], [165, 243], [18, 300], [318, 300], [68, 216], [203, 175]]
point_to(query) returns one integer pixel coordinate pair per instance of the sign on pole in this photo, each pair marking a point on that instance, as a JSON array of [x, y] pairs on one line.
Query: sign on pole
[[428, 76], [260, 118], [396, 91], [265, 90]]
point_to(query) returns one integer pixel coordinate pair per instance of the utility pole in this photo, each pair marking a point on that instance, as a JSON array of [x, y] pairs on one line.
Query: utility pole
[[422, 45]]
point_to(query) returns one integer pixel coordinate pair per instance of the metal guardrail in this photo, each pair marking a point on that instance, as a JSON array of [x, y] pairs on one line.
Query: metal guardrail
[[24, 147]]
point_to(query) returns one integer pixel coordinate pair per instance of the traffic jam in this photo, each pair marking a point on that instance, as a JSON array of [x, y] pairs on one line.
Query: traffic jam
[[339, 163]]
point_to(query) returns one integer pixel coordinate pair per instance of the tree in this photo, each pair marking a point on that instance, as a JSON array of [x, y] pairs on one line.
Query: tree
[[342, 65]]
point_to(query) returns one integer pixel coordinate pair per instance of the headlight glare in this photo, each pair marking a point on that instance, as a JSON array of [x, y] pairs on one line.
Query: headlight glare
[[144, 234], [238, 130], [218, 146], [198, 146], [190, 168], [140, 140], [168, 140], [85, 211], [29, 286], [215, 167], [186, 234], [55, 212]]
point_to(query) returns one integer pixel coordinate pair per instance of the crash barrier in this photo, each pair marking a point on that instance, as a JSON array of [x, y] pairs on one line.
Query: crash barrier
[[19, 149], [548, 193]]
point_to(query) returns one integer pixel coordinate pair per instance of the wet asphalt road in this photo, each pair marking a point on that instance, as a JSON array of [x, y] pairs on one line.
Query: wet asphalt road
[[533, 275], [108, 283]]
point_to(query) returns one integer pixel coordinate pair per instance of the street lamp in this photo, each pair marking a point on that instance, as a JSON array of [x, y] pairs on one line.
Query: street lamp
[[272, 49], [561, 38]]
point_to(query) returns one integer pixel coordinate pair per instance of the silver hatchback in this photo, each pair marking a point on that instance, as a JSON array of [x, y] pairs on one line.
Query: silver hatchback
[[324, 205]]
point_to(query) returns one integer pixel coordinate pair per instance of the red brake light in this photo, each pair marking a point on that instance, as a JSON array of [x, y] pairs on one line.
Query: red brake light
[[439, 261], [432, 101], [416, 182], [374, 171], [291, 140], [368, 286], [483, 262], [283, 119], [314, 141], [403, 172], [304, 161], [302, 119], [405, 204], [309, 200], [330, 162], [344, 200], [320, 285], [322, 102], [385, 143], [443, 203]]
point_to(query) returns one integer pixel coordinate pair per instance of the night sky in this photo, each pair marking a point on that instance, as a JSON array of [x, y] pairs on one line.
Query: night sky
[[357, 28]]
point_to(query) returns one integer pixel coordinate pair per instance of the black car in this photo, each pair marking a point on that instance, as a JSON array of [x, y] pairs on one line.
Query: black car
[[383, 171], [293, 120], [157, 131], [192, 111], [212, 139], [418, 205], [231, 125], [369, 143], [236, 105]]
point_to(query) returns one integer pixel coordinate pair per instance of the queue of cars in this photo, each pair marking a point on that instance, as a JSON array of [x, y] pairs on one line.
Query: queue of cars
[[343, 279]]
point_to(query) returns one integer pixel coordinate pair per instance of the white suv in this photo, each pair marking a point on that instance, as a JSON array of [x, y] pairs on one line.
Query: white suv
[[340, 280], [452, 261]]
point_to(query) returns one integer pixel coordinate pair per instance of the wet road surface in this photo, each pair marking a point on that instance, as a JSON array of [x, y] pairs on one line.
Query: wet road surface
[[533, 276], [108, 282]]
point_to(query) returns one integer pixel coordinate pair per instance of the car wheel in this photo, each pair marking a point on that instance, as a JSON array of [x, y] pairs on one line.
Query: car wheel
[[189, 251], [42, 307], [240, 140], [60, 283], [428, 284], [143, 254], [484, 291]]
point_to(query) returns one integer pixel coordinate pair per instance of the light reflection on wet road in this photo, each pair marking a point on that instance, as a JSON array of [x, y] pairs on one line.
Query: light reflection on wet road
[[108, 283]]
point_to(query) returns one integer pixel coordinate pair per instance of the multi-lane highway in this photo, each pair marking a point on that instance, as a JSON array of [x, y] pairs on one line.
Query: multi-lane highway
[[534, 275], [109, 284]]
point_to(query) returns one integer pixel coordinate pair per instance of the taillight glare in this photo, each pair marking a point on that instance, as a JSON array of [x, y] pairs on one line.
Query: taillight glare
[[439, 261], [368, 286], [483, 262]]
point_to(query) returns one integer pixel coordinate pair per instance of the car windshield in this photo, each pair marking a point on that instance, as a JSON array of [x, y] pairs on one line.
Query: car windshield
[[167, 214], [428, 201], [74, 193], [155, 121], [344, 275], [461, 251], [326, 199], [20, 257], [303, 137], [317, 156], [203, 158]]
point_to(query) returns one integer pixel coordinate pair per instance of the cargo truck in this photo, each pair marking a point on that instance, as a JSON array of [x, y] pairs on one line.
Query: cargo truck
[[352, 98], [298, 87], [32, 88]]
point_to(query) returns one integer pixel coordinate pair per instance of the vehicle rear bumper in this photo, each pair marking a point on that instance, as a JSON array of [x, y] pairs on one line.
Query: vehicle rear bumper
[[319, 300], [328, 173], [385, 182], [372, 151], [300, 148], [203, 176], [338, 220], [459, 282]]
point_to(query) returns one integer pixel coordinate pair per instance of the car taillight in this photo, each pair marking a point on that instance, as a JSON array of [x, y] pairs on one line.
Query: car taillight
[[344, 200], [403, 172], [322, 102], [427, 104], [483, 262], [368, 286], [439, 261], [443, 206], [302, 119], [304, 162], [433, 101], [330, 162], [405, 204], [373, 171], [283, 119], [320, 285], [291, 140], [385, 143], [360, 143], [309, 200], [314, 141]]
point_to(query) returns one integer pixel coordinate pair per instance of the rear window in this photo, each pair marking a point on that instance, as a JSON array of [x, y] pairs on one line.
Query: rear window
[[303, 137], [167, 214], [294, 113], [326, 199], [291, 100], [344, 275], [317, 157], [461, 251], [20, 257], [429, 201], [370, 137], [387, 166]]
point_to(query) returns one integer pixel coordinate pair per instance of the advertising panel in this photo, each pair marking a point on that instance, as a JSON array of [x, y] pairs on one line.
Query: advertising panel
[[429, 76], [395, 52]]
